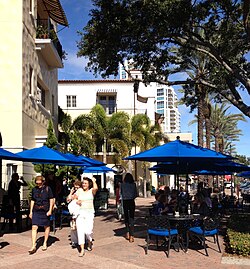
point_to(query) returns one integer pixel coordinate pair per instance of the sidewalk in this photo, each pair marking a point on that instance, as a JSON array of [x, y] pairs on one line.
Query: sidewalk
[[110, 249]]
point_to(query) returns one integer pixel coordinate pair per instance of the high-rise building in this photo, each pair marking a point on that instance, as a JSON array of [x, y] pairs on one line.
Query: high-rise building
[[166, 105], [165, 99]]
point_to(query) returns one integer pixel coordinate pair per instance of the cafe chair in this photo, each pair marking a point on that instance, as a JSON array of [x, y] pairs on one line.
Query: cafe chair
[[7, 212], [209, 228], [64, 215], [158, 226]]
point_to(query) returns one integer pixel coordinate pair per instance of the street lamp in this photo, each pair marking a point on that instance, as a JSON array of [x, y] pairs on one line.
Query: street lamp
[[136, 88]]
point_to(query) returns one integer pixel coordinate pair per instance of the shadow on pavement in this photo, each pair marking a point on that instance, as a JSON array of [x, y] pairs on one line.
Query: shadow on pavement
[[4, 244]]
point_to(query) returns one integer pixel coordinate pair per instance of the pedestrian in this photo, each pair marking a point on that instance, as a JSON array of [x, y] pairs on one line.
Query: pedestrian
[[74, 208], [14, 197], [85, 218], [41, 206], [128, 194]]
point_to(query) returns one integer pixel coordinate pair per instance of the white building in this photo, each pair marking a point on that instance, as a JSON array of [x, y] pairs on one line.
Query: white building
[[77, 97]]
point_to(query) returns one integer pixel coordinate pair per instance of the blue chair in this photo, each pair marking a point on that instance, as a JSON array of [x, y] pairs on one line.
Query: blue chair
[[64, 214], [53, 221], [159, 226], [209, 228]]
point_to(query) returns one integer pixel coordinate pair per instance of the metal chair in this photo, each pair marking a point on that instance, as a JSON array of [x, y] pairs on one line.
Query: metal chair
[[64, 214], [159, 226], [209, 228], [7, 212]]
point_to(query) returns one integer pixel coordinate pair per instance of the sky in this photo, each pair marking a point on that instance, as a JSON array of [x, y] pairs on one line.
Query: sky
[[77, 12]]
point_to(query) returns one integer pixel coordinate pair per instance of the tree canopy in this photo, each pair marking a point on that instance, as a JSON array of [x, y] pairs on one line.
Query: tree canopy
[[160, 35]]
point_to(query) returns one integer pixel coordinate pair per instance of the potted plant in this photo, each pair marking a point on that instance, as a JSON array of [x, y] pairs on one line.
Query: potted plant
[[41, 32]]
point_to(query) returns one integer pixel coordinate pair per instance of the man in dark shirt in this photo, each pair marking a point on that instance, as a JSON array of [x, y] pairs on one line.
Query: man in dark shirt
[[14, 196]]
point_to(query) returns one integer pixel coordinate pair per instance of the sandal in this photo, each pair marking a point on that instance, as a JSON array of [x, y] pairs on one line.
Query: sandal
[[32, 251], [81, 254], [44, 248], [90, 246]]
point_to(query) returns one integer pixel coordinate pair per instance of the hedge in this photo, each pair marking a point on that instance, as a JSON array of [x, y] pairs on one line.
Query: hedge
[[238, 235]]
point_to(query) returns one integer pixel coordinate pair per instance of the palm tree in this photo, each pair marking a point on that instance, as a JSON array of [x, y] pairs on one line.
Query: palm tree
[[224, 128], [145, 136], [106, 132], [196, 66]]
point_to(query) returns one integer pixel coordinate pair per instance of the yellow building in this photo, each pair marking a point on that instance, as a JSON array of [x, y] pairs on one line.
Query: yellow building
[[30, 55]]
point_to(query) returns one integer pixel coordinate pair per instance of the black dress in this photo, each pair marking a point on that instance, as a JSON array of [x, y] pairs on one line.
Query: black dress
[[41, 197]]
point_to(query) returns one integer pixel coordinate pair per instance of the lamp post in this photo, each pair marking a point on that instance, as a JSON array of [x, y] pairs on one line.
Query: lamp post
[[136, 87]]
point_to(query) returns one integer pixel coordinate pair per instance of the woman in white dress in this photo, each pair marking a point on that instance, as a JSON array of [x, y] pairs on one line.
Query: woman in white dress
[[85, 218]]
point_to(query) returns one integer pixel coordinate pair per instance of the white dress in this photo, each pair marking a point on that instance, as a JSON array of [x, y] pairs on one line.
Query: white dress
[[85, 219]]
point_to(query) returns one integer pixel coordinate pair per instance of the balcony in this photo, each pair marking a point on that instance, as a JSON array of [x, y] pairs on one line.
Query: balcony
[[48, 44]]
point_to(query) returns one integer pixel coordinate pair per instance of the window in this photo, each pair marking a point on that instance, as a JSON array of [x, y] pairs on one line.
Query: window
[[31, 80], [160, 92], [53, 106], [160, 105], [40, 94], [71, 100], [31, 7], [108, 102]]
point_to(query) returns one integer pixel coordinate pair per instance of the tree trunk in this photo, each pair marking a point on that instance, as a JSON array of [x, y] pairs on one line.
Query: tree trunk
[[104, 150], [207, 115], [200, 117]]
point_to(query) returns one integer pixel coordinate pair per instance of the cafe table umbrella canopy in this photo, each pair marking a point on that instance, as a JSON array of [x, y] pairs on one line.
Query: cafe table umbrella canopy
[[7, 155], [98, 169], [91, 161], [219, 166], [177, 151], [245, 174], [45, 155]]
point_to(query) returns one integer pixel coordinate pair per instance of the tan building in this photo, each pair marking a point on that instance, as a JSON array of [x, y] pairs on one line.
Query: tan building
[[30, 55]]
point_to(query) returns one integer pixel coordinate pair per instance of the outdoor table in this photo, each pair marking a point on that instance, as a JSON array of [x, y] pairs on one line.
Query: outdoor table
[[182, 223]]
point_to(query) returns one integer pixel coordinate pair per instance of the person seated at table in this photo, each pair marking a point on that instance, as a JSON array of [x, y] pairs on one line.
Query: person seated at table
[[160, 206], [167, 191], [173, 203], [199, 206], [182, 200], [207, 199]]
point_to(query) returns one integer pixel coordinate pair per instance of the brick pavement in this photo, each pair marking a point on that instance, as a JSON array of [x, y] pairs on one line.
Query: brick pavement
[[110, 250]]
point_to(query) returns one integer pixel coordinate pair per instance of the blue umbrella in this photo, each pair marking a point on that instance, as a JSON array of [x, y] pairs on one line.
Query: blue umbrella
[[7, 155], [91, 161], [224, 166], [245, 174], [212, 173], [75, 160], [98, 169], [178, 151], [46, 155]]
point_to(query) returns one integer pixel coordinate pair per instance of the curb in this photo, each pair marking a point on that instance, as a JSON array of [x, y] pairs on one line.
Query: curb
[[236, 261]]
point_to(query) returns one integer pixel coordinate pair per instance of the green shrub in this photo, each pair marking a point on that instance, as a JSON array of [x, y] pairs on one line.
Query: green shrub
[[238, 235]]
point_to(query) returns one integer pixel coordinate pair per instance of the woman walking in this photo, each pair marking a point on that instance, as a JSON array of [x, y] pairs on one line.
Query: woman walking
[[129, 193], [41, 206], [85, 218]]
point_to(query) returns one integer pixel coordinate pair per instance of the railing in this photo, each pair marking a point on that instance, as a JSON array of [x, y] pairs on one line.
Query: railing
[[46, 30]]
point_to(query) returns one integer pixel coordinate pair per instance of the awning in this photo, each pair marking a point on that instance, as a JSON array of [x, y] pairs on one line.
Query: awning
[[55, 11]]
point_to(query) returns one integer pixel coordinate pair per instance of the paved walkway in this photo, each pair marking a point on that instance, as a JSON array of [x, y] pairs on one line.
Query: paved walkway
[[110, 250]]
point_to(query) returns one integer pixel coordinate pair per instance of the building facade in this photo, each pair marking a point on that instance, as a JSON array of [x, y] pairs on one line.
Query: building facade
[[76, 97], [166, 106], [30, 55]]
